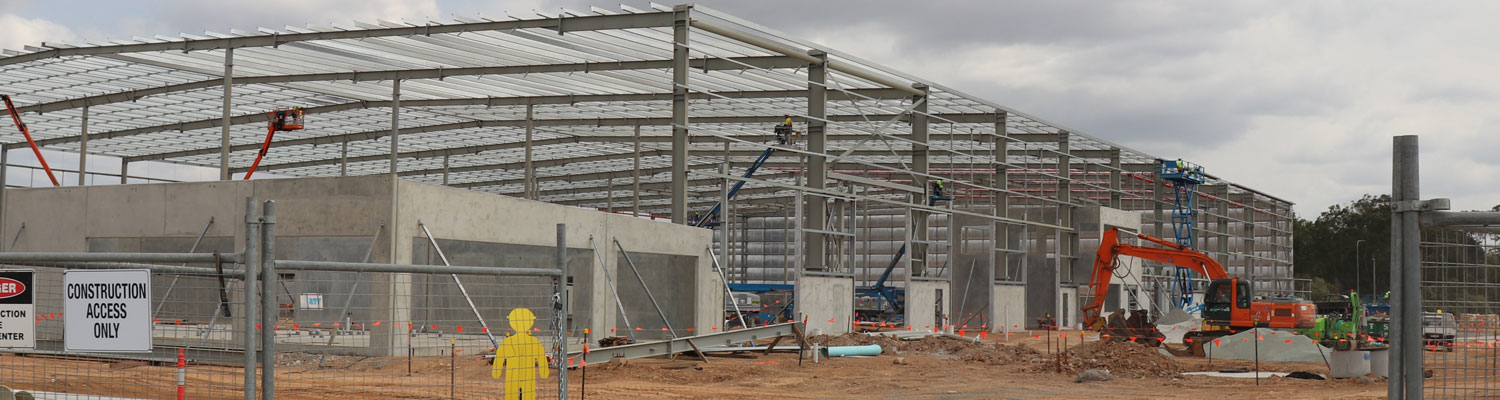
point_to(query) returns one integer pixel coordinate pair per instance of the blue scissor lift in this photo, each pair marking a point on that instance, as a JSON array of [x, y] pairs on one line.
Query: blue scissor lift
[[1185, 178]]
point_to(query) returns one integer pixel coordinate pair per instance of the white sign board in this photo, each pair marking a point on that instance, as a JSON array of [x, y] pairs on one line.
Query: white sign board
[[312, 301], [107, 310], [17, 310]]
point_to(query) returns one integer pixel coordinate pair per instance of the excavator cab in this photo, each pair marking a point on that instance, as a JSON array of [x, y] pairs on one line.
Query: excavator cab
[[1223, 297]]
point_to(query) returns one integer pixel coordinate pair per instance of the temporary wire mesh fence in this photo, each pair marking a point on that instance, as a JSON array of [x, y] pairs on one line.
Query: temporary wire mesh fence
[[194, 317], [349, 334], [338, 335], [1461, 314]]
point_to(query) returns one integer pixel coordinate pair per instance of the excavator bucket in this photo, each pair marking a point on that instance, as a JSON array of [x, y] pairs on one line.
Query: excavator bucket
[[1137, 328]]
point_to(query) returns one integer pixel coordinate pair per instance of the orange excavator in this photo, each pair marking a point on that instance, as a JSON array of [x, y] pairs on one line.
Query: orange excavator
[[1228, 303]]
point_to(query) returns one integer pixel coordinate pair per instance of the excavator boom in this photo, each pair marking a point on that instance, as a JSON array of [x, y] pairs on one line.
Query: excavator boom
[[1110, 249]]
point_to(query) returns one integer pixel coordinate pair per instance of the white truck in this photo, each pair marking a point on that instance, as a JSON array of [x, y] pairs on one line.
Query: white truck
[[1439, 330]]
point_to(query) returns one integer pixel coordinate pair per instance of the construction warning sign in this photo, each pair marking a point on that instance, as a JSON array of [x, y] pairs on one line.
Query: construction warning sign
[[107, 310], [17, 310]]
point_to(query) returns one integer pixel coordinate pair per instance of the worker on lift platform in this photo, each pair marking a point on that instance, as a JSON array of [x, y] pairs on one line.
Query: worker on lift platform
[[937, 191], [784, 131]]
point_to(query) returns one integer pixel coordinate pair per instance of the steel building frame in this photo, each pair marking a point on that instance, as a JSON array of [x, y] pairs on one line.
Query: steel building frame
[[649, 111]]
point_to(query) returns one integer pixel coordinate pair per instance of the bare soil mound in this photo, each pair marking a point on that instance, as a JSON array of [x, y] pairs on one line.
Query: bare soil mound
[[939, 347], [1121, 359]]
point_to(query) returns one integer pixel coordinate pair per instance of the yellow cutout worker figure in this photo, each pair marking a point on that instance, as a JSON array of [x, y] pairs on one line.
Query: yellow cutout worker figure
[[520, 357]]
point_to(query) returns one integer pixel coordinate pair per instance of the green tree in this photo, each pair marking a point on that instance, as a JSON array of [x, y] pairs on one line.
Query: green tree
[[1325, 247]]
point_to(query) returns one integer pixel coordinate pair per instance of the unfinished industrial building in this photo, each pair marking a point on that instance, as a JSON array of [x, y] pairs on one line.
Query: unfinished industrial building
[[647, 131]]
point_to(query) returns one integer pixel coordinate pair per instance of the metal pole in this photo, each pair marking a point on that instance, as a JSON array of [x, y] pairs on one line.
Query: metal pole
[[461, 288], [395, 127], [269, 310], [635, 202], [612, 289], [530, 172], [344, 159], [680, 144], [252, 264], [561, 311], [83, 147], [672, 332], [1410, 316], [193, 249], [728, 292], [224, 173]]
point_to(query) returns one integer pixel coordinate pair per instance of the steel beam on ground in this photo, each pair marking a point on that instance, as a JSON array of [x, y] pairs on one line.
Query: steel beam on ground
[[602, 355]]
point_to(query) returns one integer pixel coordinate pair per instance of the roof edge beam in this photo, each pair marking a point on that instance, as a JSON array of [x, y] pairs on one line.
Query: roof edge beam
[[485, 101], [428, 73], [561, 24]]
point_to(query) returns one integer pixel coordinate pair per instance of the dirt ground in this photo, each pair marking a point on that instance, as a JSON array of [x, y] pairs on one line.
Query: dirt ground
[[1019, 369], [933, 368]]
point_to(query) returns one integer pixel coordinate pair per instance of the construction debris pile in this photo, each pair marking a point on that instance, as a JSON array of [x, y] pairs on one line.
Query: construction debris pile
[[1121, 359], [936, 346]]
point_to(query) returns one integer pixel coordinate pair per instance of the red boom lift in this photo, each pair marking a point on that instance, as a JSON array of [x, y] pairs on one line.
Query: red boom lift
[[281, 119], [16, 116]]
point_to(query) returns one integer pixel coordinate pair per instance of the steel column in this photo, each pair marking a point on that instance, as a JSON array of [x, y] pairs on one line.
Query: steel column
[[1001, 182], [1115, 184], [395, 126], [680, 58], [530, 171], [635, 202], [224, 145], [816, 216], [344, 158], [83, 147], [917, 252], [1066, 241]]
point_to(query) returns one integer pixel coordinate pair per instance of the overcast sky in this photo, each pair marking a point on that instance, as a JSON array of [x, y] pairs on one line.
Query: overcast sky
[[1296, 99]]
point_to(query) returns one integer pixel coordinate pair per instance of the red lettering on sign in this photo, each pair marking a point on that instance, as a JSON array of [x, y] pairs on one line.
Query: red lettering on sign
[[11, 288]]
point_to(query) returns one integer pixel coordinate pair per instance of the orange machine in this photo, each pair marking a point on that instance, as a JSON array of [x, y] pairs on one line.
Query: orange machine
[[281, 119], [1228, 302], [16, 117]]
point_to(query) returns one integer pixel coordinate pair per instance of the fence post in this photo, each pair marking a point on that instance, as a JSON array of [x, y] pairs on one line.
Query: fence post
[[269, 310], [561, 311], [252, 263]]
